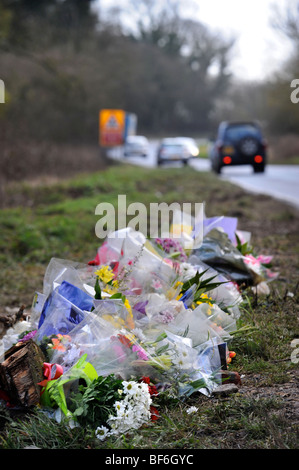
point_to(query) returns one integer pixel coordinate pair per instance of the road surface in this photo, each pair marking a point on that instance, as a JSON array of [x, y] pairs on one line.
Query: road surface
[[278, 181]]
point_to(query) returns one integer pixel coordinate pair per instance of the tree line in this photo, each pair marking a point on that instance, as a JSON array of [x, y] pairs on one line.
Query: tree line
[[64, 60]]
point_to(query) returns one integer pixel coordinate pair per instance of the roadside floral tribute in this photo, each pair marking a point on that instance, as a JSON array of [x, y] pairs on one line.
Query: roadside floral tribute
[[143, 319]]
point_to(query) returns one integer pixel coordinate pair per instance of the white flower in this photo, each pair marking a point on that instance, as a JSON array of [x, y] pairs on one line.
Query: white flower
[[182, 362], [182, 358], [192, 409], [130, 388], [139, 333], [120, 407], [133, 411], [102, 432], [187, 271]]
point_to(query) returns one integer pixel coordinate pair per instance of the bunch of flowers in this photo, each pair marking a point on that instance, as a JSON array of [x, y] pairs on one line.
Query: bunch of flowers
[[131, 412], [105, 278], [55, 343], [153, 317], [124, 341], [172, 248]]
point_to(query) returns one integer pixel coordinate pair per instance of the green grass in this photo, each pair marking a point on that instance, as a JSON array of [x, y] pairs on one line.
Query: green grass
[[59, 220], [294, 160], [204, 147], [233, 423]]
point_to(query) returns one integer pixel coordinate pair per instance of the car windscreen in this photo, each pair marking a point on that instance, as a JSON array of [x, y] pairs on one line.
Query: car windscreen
[[173, 148], [235, 133]]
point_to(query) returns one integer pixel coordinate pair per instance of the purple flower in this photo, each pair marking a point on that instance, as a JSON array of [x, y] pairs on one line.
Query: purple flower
[[170, 245], [140, 306], [165, 317], [29, 335]]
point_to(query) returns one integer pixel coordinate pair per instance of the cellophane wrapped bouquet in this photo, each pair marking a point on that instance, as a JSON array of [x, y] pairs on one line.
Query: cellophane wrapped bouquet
[[145, 317]]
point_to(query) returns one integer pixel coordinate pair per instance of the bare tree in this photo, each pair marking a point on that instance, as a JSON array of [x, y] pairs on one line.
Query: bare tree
[[286, 21]]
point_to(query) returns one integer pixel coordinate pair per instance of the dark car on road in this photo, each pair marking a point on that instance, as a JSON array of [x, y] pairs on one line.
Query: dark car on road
[[239, 143]]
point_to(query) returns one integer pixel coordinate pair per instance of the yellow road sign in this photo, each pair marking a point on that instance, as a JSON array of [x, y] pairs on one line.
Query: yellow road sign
[[111, 127]]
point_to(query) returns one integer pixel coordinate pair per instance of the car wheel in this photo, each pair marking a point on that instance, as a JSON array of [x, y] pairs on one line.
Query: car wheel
[[185, 162], [216, 168], [259, 169]]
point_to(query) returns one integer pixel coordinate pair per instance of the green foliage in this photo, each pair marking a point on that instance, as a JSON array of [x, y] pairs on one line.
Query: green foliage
[[93, 404], [202, 285], [97, 288], [244, 248]]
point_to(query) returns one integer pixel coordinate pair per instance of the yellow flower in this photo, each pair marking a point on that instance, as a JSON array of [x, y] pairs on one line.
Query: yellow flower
[[131, 337], [105, 274], [112, 289], [116, 321], [173, 292], [205, 296], [128, 306], [178, 283], [130, 318]]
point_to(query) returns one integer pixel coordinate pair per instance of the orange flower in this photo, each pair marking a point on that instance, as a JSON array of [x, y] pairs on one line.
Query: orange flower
[[57, 344], [124, 340]]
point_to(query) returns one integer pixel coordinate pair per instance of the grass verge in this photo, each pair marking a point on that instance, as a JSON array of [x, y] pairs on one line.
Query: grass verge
[[45, 220]]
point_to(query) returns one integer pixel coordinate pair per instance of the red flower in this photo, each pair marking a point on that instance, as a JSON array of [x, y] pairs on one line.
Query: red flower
[[146, 380], [153, 390], [114, 266], [154, 413]]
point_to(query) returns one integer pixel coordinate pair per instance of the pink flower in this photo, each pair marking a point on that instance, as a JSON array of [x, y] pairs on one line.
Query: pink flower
[[249, 259], [271, 274], [264, 259], [156, 284], [140, 352], [119, 352]]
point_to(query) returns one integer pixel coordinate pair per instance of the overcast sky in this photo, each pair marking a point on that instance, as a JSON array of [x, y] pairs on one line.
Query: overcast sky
[[258, 50]]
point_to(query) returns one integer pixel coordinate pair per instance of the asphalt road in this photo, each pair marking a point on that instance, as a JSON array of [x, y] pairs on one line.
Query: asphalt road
[[278, 181]]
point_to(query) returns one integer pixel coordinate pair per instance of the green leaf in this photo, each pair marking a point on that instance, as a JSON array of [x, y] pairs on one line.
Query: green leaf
[[244, 248], [98, 292], [185, 334], [79, 411], [118, 295], [161, 337], [198, 383], [162, 349], [193, 280]]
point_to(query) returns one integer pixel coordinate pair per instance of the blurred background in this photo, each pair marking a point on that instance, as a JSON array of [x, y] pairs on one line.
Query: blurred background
[[180, 66]]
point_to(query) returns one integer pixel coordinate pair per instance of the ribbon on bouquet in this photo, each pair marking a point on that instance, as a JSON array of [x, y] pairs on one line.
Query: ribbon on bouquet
[[51, 372]]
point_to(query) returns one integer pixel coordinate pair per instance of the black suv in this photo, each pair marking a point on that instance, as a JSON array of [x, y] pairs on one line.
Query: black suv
[[239, 143]]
